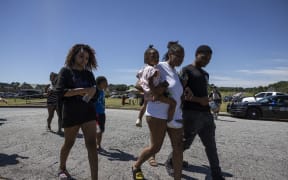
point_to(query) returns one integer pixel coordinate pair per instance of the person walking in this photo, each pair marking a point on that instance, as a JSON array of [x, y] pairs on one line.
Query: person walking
[[215, 99], [156, 114], [52, 101], [197, 118], [149, 77], [76, 86], [102, 84]]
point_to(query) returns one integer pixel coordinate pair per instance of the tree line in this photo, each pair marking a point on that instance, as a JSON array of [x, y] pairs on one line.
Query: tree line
[[281, 86]]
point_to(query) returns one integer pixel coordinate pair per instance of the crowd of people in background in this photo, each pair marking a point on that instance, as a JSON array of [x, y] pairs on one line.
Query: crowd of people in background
[[176, 103]]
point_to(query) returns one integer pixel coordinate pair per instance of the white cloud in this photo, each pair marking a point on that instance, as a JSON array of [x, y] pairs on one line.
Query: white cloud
[[225, 81], [239, 78], [278, 71], [280, 60], [251, 78]]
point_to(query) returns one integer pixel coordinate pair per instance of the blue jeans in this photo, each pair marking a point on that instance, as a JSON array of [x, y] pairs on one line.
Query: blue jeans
[[202, 123]]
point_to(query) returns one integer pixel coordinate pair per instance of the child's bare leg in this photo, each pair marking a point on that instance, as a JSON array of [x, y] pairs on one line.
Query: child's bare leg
[[141, 114], [142, 110]]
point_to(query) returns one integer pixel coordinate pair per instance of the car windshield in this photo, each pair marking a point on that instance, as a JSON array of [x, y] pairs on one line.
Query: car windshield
[[260, 95], [265, 100]]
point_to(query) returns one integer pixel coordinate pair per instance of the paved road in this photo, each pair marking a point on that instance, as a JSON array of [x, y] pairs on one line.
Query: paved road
[[247, 149]]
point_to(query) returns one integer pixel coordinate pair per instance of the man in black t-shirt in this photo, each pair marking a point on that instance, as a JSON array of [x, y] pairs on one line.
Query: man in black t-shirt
[[197, 118]]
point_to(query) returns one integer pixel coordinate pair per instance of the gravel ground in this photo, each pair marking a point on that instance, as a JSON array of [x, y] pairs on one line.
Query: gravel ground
[[247, 149]]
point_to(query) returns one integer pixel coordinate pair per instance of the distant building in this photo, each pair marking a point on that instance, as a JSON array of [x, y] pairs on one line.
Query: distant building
[[5, 87]]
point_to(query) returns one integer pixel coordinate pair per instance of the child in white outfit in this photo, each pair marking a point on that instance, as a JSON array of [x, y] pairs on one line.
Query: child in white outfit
[[154, 88]]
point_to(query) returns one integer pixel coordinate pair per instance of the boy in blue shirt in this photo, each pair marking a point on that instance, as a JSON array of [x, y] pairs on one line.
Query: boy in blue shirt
[[101, 83]]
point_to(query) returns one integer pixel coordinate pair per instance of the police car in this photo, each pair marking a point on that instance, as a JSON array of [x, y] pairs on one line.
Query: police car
[[261, 95], [272, 107]]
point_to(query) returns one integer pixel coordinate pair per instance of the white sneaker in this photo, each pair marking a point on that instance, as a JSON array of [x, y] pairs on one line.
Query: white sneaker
[[64, 175], [175, 123], [139, 122]]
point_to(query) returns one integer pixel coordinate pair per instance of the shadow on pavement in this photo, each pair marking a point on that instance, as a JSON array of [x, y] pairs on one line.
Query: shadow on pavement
[[6, 159], [203, 170], [199, 169], [188, 177], [3, 178], [1, 123], [61, 134], [116, 155], [224, 120]]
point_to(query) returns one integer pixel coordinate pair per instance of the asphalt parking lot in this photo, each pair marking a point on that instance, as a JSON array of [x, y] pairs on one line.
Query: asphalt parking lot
[[247, 149]]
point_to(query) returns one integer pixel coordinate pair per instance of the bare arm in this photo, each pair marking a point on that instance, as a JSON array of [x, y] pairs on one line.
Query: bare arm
[[189, 96], [81, 91], [151, 83]]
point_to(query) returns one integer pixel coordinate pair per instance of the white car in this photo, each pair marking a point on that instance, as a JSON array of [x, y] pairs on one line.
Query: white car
[[261, 95]]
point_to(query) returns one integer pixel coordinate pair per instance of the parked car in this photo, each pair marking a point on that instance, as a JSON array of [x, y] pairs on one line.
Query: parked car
[[9, 95], [261, 95], [275, 107], [30, 93], [235, 99], [227, 98]]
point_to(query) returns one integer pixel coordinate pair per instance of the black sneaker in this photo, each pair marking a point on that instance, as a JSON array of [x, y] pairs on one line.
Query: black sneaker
[[169, 167], [218, 177], [185, 164], [60, 133]]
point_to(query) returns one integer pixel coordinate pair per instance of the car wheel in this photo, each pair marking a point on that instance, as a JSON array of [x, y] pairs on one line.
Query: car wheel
[[228, 107], [253, 113]]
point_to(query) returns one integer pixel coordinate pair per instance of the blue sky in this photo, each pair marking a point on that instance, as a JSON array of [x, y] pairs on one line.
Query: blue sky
[[249, 37]]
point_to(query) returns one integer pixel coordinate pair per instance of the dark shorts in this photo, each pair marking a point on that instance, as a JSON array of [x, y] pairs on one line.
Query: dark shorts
[[75, 114], [101, 119]]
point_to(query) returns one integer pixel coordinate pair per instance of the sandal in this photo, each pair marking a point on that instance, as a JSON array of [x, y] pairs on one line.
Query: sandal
[[153, 162], [64, 175], [137, 174]]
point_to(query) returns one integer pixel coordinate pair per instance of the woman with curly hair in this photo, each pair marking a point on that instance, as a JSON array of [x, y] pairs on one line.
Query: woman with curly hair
[[76, 87]]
